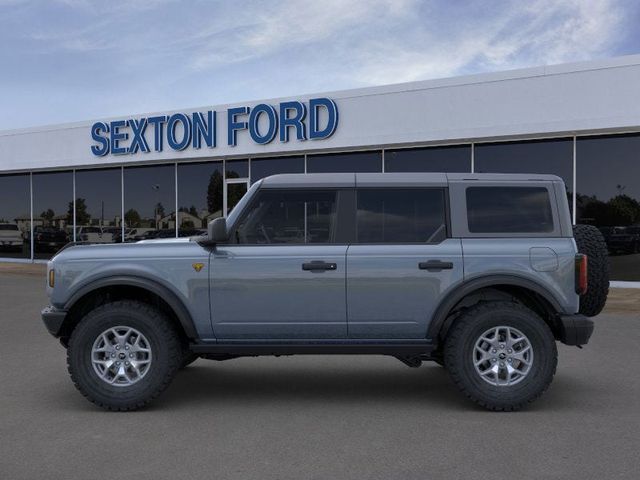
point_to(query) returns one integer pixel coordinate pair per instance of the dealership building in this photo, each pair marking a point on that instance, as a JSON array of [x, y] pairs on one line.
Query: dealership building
[[167, 174]]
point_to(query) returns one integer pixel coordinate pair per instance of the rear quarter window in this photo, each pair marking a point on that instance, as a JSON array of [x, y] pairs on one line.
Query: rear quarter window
[[509, 210]]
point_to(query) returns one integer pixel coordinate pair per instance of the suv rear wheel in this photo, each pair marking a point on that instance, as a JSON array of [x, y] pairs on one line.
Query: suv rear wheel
[[501, 355], [123, 354]]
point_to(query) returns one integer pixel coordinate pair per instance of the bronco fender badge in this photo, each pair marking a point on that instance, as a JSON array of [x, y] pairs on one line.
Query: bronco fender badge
[[197, 266]]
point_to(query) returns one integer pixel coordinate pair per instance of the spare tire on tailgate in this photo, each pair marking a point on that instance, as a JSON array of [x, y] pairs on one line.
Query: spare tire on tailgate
[[591, 242]]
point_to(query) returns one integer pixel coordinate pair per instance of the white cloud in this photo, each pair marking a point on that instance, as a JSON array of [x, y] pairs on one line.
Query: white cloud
[[362, 42], [170, 53], [286, 25], [542, 32]]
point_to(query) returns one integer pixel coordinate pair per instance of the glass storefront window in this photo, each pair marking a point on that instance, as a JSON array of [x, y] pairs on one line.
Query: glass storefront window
[[200, 190], [15, 216], [608, 192], [554, 156], [431, 159], [263, 167], [149, 202], [98, 205], [52, 212], [345, 162], [237, 168], [235, 192], [608, 185]]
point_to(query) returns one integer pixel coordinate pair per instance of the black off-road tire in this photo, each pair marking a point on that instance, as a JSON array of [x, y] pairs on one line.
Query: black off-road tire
[[460, 344], [591, 242], [150, 322]]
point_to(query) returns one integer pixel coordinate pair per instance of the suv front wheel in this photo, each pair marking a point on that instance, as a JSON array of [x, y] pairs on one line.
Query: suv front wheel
[[123, 354], [501, 355]]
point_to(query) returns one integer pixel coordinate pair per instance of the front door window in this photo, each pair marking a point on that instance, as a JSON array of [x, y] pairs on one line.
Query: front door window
[[289, 217]]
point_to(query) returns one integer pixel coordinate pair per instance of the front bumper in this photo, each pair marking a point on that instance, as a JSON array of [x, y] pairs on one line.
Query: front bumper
[[575, 329], [53, 319]]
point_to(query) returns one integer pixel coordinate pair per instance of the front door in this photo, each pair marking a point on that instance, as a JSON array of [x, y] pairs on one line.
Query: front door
[[282, 276], [401, 264]]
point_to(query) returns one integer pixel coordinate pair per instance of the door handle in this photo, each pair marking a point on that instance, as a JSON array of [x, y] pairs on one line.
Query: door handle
[[435, 265], [319, 266]]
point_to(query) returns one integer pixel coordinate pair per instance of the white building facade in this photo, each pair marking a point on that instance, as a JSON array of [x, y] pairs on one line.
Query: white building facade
[[122, 179]]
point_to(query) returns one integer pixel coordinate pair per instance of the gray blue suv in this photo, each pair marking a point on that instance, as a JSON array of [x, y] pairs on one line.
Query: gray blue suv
[[481, 273]]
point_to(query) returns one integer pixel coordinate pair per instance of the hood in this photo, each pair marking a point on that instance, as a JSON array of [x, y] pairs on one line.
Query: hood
[[164, 247]]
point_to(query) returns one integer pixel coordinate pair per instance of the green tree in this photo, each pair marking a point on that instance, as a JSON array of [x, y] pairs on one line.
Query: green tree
[[159, 209], [627, 208], [132, 218], [82, 216], [214, 192], [47, 216]]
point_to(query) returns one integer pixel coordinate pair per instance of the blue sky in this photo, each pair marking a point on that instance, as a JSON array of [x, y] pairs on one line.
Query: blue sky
[[72, 60]]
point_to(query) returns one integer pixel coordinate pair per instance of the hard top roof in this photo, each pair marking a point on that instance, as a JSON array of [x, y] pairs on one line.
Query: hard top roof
[[409, 179]]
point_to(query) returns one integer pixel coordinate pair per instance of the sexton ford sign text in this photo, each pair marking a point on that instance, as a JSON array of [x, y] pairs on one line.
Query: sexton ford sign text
[[314, 120]]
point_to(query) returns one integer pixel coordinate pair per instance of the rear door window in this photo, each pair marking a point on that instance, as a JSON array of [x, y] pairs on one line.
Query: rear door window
[[401, 215], [509, 210]]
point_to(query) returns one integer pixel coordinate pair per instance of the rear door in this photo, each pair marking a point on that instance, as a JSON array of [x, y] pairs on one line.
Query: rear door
[[401, 263]]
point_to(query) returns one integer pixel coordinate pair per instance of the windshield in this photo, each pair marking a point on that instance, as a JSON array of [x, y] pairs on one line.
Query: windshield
[[8, 227], [233, 216]]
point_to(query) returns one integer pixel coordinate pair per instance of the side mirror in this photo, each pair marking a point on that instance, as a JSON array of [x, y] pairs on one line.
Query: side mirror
[[217, 230]]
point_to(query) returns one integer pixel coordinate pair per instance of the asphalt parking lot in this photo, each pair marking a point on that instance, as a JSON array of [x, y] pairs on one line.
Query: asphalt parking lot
[[314, 417]]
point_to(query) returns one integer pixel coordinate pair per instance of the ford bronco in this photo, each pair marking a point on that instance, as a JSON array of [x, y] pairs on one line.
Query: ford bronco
[[481, 273]]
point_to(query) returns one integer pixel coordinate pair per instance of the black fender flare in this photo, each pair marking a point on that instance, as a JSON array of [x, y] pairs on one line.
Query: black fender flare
[[174, 302], [444, 308]]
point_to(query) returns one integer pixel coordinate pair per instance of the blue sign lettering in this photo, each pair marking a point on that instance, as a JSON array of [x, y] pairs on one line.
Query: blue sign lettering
[[172, 124], [102, 147], [296, 121], [117, 136], [204, 129], [233, 125], [139, 142], [158, 123], [272, 123], [315, 105], [315, 120]]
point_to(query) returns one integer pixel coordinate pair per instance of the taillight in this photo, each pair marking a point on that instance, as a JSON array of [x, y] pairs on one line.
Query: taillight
[[581, 274]]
